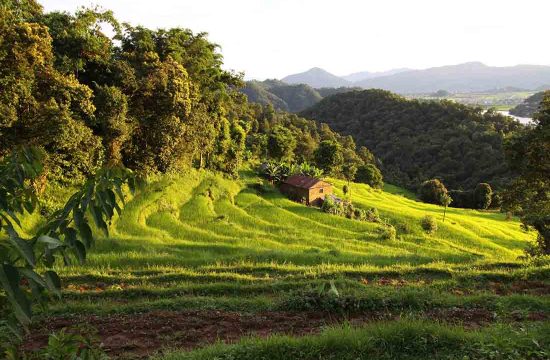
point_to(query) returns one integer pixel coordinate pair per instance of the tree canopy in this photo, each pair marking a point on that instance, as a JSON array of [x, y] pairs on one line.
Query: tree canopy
[[528, 153], [418, 140]]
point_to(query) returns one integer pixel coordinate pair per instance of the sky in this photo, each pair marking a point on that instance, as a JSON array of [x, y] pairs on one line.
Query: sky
[[275, 38]]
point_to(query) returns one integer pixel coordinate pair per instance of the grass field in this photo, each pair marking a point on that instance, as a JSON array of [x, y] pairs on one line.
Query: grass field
[[196, 259]]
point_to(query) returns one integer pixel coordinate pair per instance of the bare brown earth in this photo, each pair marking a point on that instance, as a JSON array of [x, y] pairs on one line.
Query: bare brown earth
[[140, 335]]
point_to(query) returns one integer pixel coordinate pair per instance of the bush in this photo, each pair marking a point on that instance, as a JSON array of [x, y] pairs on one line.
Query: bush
[[482, 196], [496, 201], [360, 214], [349, 210], [369, 174], [432, 191], [388, 232], [429, 224], [372, 215], [331, 207]]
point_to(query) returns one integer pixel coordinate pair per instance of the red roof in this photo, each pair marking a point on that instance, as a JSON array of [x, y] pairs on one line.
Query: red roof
[[305, 182]]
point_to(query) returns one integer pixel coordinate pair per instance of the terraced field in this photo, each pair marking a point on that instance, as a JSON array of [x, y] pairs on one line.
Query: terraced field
[[196, 259]]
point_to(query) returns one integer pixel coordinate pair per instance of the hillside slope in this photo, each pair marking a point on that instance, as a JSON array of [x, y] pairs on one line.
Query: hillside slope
[[529, 106], [196, 258]]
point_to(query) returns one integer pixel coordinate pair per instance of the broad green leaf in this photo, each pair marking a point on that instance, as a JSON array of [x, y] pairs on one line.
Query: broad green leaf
[[98, 219], [23, 247], [53, 282], [9, 278], [32, 275], [51, 242], [49, 260], [78, 217], [70, 236], [80, 251], [86, 234]]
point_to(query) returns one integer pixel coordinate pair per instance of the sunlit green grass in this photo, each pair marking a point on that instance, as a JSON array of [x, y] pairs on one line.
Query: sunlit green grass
[[202, 241], [201, 219]]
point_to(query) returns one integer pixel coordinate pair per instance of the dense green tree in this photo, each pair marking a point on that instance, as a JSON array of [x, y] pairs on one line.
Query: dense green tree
[[432, 191], [407, 137], [529, 195], [349, 170], [482, 196], [112, 121], [80, 46], [329, 157], [163, 104], [39, 106], [365, 155], [369, 174], [281, 143]]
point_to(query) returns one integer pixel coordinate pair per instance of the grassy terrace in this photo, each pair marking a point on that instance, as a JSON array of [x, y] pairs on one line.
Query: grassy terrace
[[201, 247]]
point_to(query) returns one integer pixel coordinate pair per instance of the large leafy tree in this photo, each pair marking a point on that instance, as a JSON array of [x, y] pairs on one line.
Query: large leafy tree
[[281, 143], [329, 157], [369, 174], [528, 154], [433, 192], [40, 106]]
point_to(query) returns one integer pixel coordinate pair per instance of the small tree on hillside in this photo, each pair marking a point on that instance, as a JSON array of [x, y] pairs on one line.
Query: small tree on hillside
[[369, 174], [445, 200], [432, 192], [483, 195]]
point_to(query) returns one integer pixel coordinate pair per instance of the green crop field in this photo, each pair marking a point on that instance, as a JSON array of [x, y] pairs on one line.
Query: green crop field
[[197, 259]]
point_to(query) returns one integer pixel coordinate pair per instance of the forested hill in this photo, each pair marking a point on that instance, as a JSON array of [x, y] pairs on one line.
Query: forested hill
[[287, 97], [281, 96], [529, 106], [418, 140]]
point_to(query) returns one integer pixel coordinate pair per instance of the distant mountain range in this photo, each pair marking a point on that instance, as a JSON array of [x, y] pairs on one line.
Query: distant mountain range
[[317, 78], [364, 75], [467, 77]]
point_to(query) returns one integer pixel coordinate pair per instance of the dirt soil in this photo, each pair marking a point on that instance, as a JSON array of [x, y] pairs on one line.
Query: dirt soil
[[140, 335]]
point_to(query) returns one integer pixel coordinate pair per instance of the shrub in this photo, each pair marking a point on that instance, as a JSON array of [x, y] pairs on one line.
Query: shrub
[[404, 228], [482, 196], [372, 215], [360, 214], [496, 201], [432, 191], [369, 174], [429, 224], [331, 207], [388, 232]]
